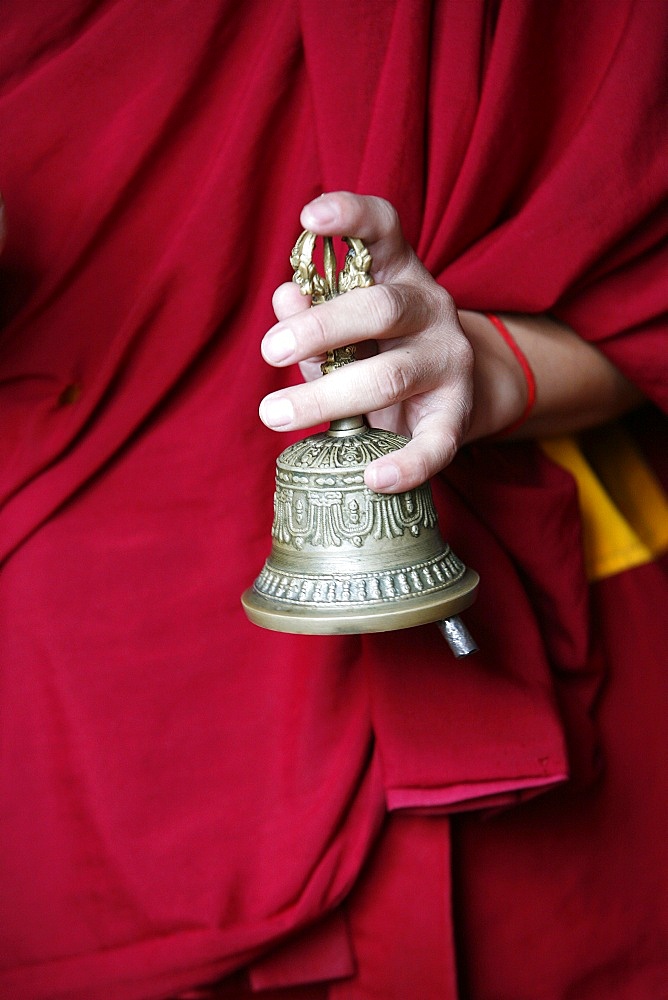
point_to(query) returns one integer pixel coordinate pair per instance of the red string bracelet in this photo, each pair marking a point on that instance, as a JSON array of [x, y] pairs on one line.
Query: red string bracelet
[[526, 369]]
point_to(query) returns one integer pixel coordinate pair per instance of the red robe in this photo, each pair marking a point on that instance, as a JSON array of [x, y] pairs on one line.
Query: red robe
[[182, 794]]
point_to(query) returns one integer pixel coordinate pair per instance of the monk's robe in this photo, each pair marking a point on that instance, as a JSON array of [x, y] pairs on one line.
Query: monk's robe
[[185, 797]]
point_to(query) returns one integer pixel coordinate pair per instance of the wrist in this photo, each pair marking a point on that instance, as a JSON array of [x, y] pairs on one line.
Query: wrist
[[503, 389]]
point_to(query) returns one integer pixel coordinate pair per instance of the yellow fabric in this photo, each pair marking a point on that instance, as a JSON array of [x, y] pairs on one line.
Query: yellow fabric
[[624, 507]]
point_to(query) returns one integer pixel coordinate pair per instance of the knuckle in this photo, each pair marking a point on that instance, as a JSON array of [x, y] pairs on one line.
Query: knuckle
[[385, 306], [444, 310], [449, 447], [389, 215], [447, 303], [464, 357], [392, 382], [455, 357], [422, 469]]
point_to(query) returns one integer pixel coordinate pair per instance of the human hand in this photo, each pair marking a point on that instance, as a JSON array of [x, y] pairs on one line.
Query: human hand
[[415, 373]]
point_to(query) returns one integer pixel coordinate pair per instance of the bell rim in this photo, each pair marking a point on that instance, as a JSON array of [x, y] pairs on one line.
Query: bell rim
[[276, 616]]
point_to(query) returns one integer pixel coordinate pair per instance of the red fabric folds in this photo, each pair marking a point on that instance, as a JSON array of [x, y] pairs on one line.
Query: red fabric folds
[[583, 871], [183, 794]]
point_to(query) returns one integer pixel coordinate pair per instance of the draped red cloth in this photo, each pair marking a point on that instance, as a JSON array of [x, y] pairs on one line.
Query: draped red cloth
[[182, 794]]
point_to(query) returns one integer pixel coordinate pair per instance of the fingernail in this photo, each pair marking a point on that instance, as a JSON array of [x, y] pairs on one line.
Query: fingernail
[[383, 477], [279, 344], [276, 411], [321, 212]]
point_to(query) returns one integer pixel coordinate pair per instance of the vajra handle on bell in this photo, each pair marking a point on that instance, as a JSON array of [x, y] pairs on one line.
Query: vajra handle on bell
[[355, 273]]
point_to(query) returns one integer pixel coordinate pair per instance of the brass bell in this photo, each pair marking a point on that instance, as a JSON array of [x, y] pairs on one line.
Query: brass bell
[[345, 559]]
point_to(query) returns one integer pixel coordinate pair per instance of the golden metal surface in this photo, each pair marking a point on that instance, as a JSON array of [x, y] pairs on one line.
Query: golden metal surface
[[343, 558], [354, 274]]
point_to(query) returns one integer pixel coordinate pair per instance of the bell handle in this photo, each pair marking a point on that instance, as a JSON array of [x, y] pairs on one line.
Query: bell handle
[[355, 273]]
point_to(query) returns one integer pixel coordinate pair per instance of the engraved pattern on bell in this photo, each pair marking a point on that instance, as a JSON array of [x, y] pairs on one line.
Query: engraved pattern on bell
[[321, 500], [332, 517], [368, 588], [327, 451]]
